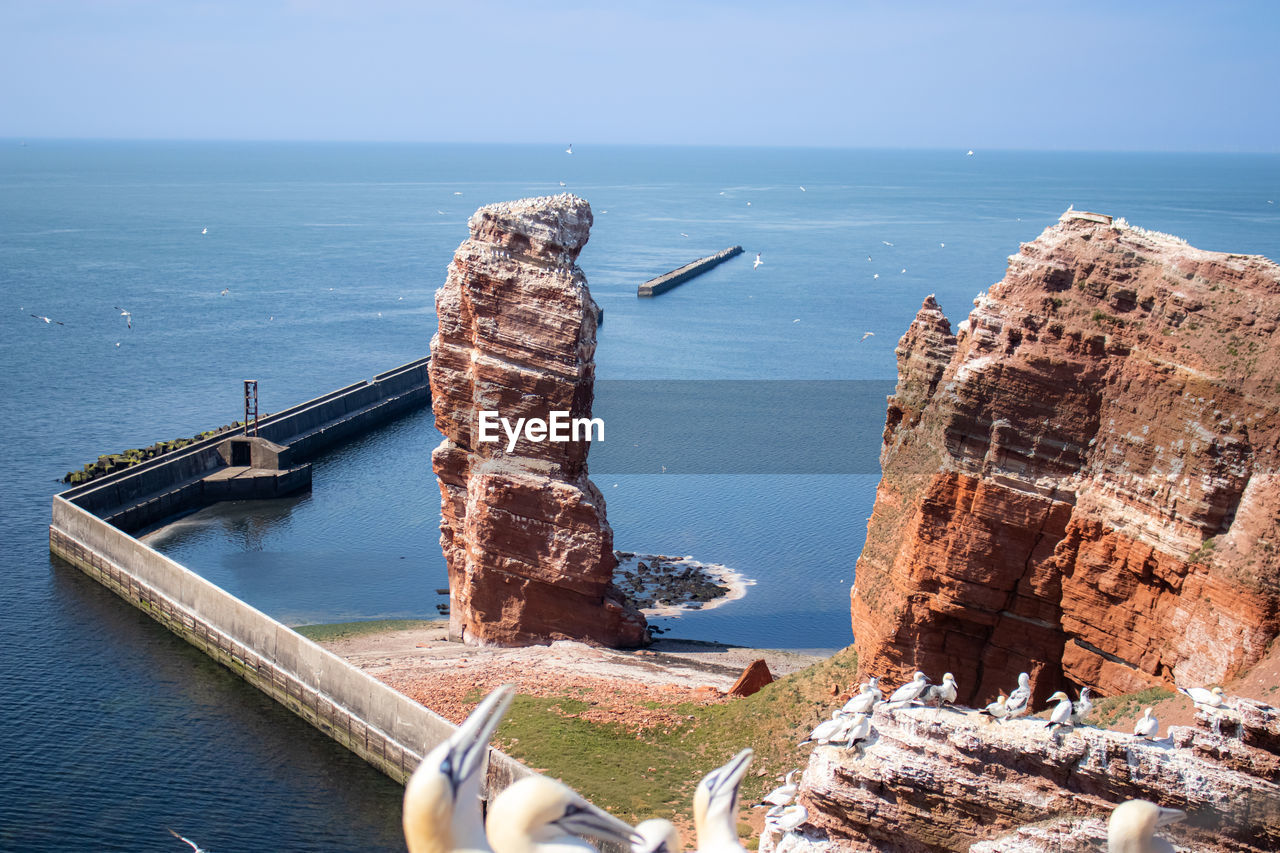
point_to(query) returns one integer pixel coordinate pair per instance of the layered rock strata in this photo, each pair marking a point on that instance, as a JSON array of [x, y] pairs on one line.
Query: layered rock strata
[[524, 532], [1081, 481], [951, 779]]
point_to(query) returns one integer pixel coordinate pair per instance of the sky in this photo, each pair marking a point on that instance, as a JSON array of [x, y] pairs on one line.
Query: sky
[[1079, 75]]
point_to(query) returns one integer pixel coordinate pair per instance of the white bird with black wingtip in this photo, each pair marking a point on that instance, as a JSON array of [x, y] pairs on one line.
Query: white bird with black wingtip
[[1147, 726], [442, 797], [1203, 698], [910, 691], [1019, 701], [715, 806]]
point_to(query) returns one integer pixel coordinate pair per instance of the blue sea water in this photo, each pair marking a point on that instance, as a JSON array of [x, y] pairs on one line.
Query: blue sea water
[[329, 256]]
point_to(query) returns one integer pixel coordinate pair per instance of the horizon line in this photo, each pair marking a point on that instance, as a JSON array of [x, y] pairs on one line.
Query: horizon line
[[21, 141]]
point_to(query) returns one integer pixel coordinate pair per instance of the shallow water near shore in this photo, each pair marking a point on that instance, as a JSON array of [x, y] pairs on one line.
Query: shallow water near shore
[[330, 256]]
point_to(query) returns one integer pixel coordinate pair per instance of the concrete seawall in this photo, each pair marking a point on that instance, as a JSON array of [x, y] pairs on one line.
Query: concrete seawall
[[384, 727], [677, 277], [174, 483]]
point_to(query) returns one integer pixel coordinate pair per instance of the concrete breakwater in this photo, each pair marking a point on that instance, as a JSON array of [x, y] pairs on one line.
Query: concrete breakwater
[[232, 466], [384, 727], [677, 277]]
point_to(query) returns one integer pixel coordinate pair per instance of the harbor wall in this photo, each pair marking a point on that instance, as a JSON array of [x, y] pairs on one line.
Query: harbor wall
[[172, 483], [384, 727], [677, 277]]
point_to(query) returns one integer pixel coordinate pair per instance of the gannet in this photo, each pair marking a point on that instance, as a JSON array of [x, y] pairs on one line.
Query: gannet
[[656, 836], [1082, 708], [846, 730], [866, 335], [969, 153], [824, 730], [48, 319], [204, 230], [128, 317], [541, 815], [785, 818], [997, 709], [910, 691], [1203, 698], [886, 242], [803, 190], [858, 731], [1019, 701], [758, 261], [863, 702], [715, 806], [1061, 715], [783, 794], [1147, 726], [944, 693], [442, 797], [876, 275], [1132, 825]]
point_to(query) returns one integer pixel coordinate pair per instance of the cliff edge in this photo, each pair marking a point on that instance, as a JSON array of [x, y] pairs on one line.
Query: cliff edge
[[949, 779], [524, 532], [1081, 481]]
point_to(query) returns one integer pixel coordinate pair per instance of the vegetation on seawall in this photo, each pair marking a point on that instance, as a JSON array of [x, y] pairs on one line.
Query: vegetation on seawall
[[111, 462]]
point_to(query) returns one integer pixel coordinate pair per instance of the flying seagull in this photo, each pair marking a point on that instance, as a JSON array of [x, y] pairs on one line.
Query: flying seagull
[[48, 319]]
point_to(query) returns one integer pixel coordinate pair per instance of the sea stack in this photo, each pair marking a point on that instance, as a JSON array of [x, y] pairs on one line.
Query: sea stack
[[524, 532], [1081, 483]]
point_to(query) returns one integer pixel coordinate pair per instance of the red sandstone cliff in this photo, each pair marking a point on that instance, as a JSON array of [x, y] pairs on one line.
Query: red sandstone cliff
[[529, 550], [1082, 482]]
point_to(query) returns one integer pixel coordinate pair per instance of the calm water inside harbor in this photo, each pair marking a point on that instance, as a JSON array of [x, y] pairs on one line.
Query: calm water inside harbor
[[329, 256]]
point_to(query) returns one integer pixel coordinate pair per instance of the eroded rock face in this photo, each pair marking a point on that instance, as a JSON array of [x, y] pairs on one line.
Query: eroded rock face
[[524, 532], [1082, 483], [950, 779]]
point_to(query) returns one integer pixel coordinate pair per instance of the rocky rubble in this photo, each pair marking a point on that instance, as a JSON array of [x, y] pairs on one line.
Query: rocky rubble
[[524, 531], [951, 779], [1081, 481]]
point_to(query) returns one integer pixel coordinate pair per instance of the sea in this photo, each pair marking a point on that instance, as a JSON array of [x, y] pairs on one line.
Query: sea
[[311, 266]]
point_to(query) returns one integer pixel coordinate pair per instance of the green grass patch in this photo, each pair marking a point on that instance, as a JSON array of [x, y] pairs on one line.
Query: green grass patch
[[654, 773], [1107, 711], [343, 630]]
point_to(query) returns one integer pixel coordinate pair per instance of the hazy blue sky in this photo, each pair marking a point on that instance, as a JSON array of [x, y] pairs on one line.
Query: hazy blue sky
[[1029, 74]]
